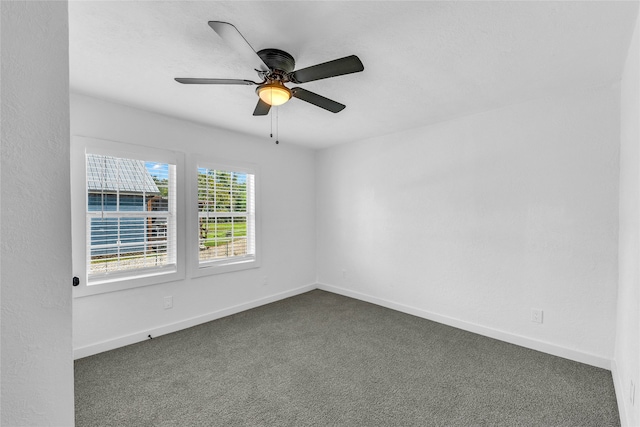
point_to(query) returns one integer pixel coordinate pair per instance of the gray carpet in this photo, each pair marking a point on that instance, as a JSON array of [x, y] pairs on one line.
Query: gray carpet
[[320, 359]]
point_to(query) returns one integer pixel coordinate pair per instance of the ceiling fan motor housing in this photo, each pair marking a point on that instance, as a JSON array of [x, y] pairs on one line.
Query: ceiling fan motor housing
[[277, 59]]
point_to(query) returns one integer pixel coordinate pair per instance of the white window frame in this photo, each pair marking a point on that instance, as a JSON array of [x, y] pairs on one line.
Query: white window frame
[[117, 281], [225, 265]]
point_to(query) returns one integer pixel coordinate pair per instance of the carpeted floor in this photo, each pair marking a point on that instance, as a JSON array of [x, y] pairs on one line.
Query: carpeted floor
[[320, 359]]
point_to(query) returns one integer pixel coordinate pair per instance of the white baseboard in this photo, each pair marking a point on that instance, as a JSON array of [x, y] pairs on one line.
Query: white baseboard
[[122, 341], [545, 347], [624, 406], [578, 356]]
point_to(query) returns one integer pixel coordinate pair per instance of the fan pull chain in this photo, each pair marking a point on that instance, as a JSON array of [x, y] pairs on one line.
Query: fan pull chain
[[277, 127], [271, 132]]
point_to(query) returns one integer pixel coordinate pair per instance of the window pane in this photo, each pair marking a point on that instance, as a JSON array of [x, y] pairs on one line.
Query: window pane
[[118, 187], [104, 235], [131, 202], [239, 192], [160, 175], [102, 202], [219, 238], [223, 203], [158, 204], [128, 243], [132, 231], [239, 236]]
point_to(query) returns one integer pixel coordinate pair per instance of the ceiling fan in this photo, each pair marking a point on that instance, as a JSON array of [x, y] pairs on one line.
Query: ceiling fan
[[276, 67]]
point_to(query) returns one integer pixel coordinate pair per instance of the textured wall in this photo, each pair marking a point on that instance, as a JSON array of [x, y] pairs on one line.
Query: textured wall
[[287, 184], [37, 364], [627, 354], [478, 220]]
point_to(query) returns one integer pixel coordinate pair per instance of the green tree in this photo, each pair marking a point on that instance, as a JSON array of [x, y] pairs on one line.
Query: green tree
[[222, 191], [162, 184]]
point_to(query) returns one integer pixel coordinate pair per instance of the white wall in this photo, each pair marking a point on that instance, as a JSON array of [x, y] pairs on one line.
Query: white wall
[[475, 221], [627, 353], [287, 174], [37, 363]]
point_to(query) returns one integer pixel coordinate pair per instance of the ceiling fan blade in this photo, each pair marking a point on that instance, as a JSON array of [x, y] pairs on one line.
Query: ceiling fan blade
[[262, 109], [337, 67], [190, 81], [234, 39], [315, 99]]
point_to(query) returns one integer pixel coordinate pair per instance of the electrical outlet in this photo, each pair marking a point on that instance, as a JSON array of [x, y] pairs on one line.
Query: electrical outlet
[[265, 280], [344, 274], [168, 303], [536, 315], [632, 393]]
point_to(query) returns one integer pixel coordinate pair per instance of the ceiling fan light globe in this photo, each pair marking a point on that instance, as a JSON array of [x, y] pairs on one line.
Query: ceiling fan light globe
[[274, 94]]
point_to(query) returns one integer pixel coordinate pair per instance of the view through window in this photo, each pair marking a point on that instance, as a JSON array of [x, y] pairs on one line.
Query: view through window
[[130, 215], [226, 218]]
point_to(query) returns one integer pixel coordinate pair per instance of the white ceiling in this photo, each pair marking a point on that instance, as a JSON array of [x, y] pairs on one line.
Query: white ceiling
[[424, 62]]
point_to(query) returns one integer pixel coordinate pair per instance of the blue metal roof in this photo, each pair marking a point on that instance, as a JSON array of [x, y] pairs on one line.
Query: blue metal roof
[[106, 173]]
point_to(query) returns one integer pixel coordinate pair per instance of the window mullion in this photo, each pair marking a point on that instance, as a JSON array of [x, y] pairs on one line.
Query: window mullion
[[119, 241]]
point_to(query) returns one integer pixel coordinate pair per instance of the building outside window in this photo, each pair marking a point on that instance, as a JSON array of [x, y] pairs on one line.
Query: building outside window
[[126, 213], [129, 215], [135, 223]]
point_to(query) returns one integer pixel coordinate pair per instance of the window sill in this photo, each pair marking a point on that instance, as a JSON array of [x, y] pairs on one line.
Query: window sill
[[119, 282], [226, 266]]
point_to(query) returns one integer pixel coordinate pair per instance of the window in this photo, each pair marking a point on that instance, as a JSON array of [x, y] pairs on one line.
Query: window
[[133, 216], [128, 235], [131, 224], [226, 225]]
